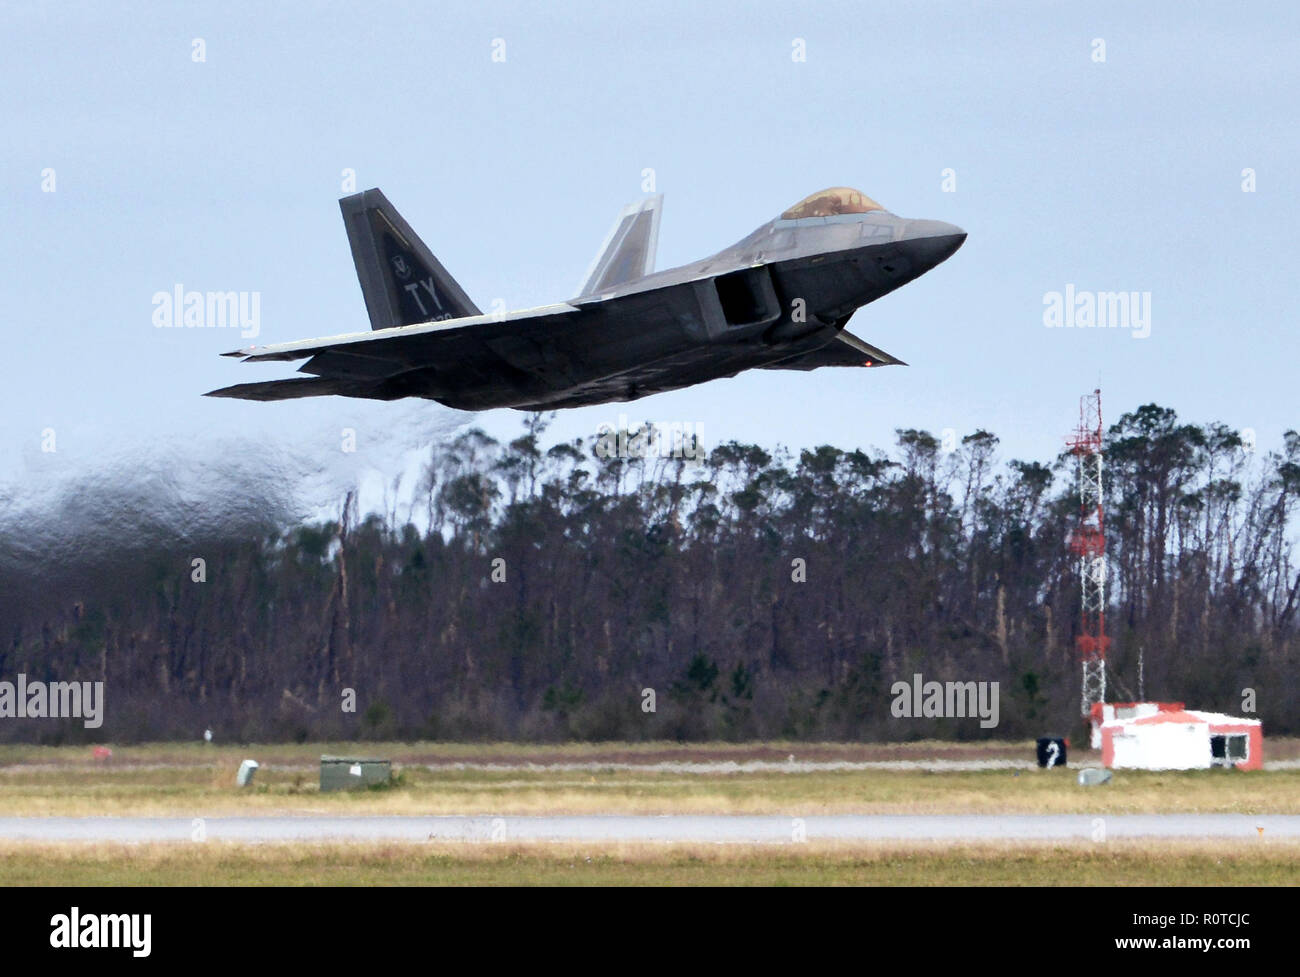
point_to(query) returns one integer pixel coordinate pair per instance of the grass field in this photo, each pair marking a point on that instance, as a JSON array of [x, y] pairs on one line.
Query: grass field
[[508, 779], [194, 780], [1116, 863]]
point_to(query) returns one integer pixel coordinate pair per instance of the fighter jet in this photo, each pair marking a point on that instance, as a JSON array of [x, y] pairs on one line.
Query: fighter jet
[[777, 299]]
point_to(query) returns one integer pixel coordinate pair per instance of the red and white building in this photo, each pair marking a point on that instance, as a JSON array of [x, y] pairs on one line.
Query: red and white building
[[1168, 736]]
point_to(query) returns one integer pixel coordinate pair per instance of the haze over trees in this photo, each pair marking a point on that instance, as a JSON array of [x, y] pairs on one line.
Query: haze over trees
[[538, 593]]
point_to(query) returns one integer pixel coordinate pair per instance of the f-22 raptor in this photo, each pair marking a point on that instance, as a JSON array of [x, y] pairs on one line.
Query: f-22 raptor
[[777, 299]]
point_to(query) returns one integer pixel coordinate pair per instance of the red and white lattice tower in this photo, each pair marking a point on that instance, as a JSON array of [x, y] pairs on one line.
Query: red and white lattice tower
[[1088, 543]]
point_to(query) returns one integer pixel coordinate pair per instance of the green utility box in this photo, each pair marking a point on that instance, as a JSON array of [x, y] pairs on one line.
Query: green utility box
[[350, 773]]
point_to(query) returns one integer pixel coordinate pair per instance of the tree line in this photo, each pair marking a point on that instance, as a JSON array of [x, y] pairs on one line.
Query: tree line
[[557, 592]]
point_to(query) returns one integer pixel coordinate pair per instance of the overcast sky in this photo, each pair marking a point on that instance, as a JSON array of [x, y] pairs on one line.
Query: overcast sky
[[223, 174]]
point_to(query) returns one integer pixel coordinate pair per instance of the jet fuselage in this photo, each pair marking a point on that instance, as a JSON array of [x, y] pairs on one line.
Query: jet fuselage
[[777, 299]]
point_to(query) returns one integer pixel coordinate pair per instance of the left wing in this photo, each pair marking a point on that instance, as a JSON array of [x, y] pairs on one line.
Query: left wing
[[374, 364]]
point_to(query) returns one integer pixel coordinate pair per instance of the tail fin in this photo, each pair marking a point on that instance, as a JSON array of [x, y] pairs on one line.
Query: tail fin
[[403, 283], [629, 249]]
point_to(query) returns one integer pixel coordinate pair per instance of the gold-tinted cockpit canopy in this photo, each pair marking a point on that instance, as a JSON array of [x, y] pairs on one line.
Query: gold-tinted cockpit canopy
[[830, 203]]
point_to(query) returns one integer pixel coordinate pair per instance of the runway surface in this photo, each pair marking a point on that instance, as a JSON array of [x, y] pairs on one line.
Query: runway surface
[[720, 828]]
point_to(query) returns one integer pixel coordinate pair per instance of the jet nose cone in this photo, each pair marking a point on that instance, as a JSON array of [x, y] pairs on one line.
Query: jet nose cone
[[933, 241]]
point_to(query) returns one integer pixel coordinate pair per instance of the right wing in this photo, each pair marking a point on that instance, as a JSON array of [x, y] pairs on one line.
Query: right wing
[[845, 349]]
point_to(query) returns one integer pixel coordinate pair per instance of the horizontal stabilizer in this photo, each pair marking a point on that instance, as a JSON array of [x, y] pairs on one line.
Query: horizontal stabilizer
[[291, 389]]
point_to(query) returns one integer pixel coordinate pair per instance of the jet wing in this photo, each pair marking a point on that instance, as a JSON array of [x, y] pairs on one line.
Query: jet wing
[[628, 252], [845, 349], [361, 364]]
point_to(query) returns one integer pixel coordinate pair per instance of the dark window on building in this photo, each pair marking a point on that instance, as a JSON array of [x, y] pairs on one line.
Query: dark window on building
[[1229, 748]]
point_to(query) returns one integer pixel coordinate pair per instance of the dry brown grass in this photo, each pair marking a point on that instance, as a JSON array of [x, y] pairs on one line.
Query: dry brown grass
[[888, 863]]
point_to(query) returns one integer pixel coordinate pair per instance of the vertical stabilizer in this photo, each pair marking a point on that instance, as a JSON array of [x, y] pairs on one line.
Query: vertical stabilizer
[[401, 280], [629, 249]]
